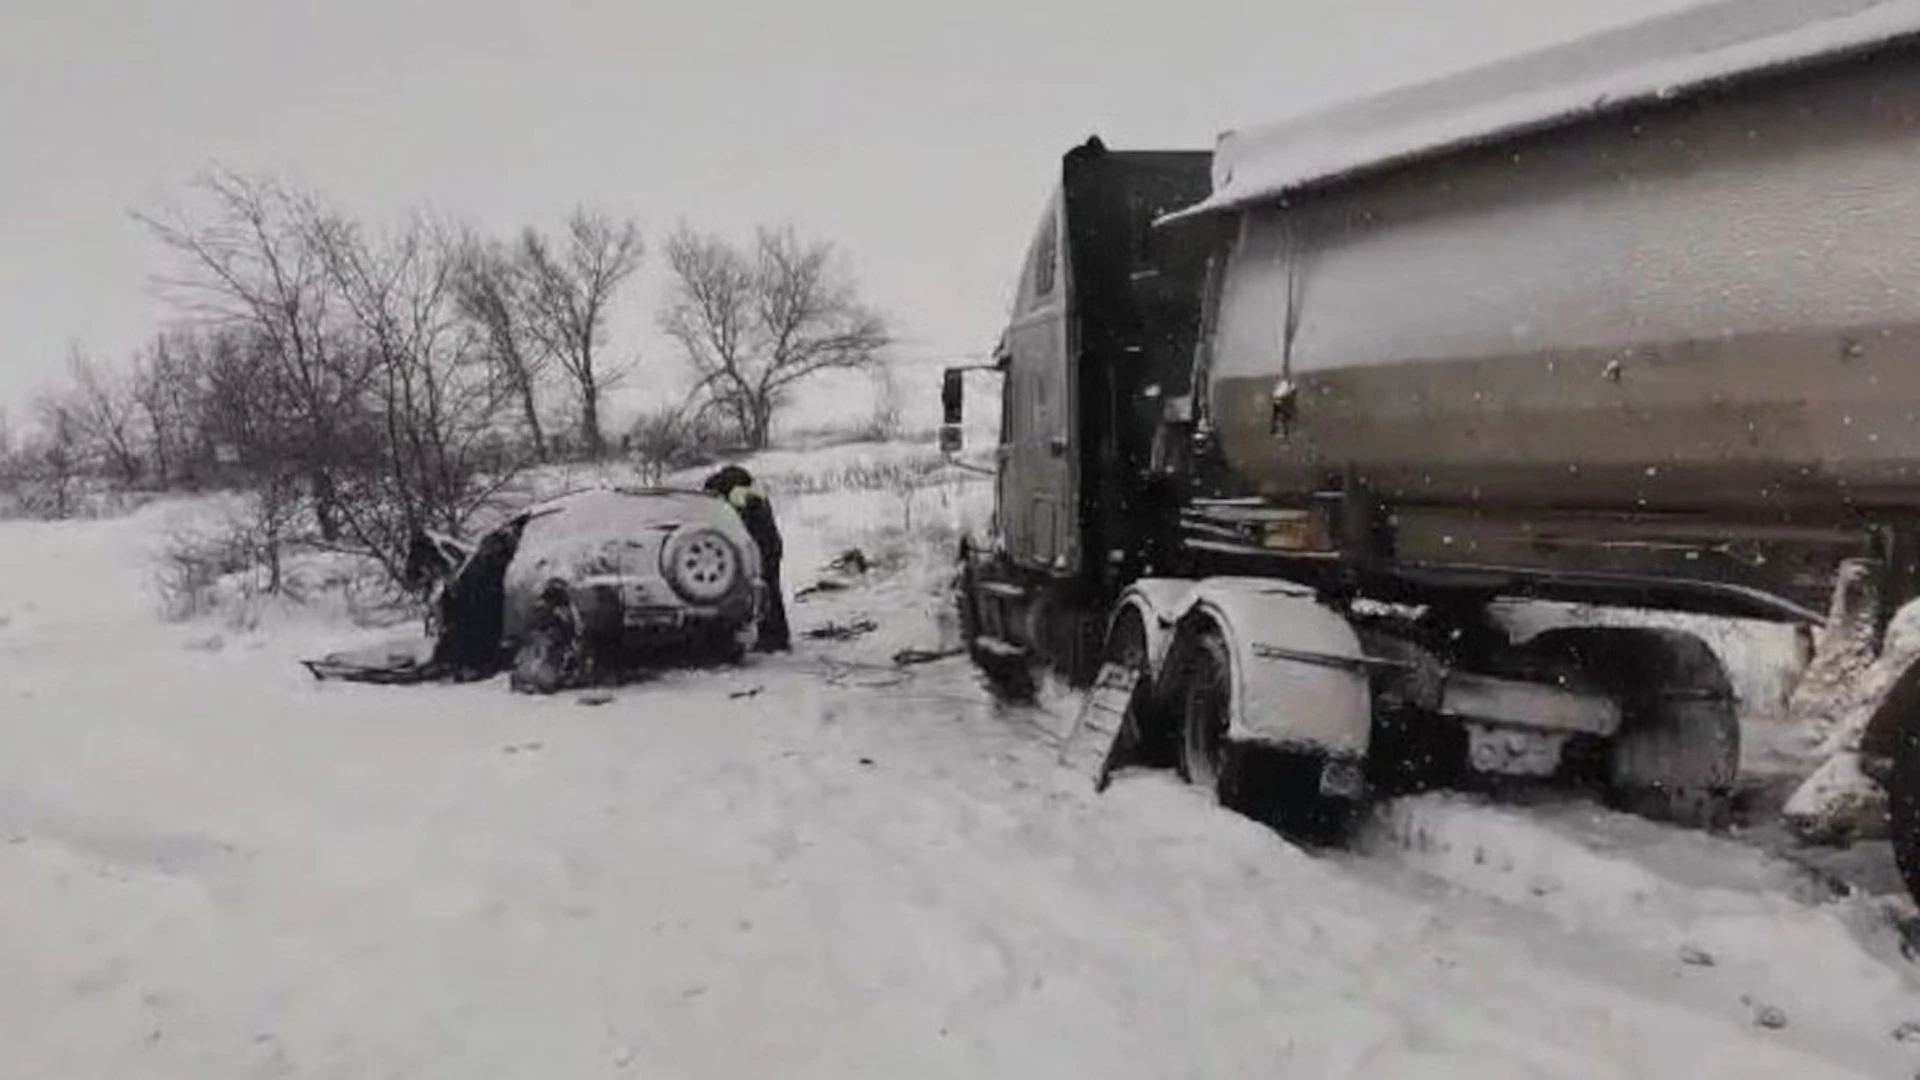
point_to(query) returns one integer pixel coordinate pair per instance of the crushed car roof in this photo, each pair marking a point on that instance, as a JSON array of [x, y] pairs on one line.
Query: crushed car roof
[[1653, 60]]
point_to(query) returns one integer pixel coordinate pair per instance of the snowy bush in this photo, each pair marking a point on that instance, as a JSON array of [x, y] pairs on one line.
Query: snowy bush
[[201, 570], [918, 470], [672, 439], [254, 552]]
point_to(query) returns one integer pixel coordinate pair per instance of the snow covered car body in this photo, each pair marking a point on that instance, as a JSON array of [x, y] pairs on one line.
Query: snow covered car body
[[626, 569]]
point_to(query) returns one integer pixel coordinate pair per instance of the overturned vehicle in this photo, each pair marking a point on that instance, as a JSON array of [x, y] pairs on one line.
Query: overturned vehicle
[[582, 587]]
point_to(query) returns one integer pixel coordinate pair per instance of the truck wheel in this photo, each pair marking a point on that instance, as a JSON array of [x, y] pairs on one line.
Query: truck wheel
[[1150, 741], [1278, 788], [1208, 757], [1677, 755]]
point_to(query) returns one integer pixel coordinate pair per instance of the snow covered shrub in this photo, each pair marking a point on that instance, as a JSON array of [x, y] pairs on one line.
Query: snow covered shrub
[[893, 475], [237, 556], [671, 439], [254, 555], [200, 568]]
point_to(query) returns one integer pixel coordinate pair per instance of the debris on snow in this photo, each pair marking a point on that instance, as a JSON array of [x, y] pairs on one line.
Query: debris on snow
[[595, 698], [850, 561], [847, 631], [1694, 956], [864, 676], [1767, 1016], [912, 657]]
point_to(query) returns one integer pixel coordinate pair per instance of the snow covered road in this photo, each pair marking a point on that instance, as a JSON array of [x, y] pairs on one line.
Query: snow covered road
[[212, 866]]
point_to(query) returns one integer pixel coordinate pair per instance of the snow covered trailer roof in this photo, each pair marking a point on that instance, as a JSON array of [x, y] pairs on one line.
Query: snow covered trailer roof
[[1661, 59]]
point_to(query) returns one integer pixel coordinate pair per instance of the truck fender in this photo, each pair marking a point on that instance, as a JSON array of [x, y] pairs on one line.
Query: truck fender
[[1300, 673], [1157, 604]]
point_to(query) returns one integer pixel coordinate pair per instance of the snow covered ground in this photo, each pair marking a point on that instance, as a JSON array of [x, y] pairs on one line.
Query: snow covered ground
[[818, 865]]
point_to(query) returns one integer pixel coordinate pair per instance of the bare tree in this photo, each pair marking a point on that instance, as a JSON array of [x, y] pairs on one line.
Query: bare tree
[[12, 472], [55, 457], [164, 388], [435, 398], [569, 289], [240, 420], [491, 293], [100, 409], [755, 326], [673, 436], [255, 265]]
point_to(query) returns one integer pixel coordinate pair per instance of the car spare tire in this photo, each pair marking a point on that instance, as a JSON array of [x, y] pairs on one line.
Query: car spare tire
[[702, 565]]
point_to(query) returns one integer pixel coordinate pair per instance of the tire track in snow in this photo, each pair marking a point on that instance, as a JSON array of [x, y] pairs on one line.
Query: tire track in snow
[[1311, 934], [1738, 927]]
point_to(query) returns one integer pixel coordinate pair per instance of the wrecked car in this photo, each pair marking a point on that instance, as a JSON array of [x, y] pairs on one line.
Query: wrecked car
[[574, 589]]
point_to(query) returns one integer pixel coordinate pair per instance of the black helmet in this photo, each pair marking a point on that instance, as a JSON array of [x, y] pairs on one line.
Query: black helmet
[[728, 478]]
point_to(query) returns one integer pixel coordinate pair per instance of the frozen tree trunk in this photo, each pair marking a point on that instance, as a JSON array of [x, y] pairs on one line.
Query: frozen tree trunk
[[530, 412], [591, 436]]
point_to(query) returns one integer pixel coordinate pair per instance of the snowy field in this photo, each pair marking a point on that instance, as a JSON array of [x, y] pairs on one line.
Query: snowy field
[[814, 866]]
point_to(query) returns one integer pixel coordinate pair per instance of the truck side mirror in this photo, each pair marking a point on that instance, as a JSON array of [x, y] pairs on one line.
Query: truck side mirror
[[952, 393]]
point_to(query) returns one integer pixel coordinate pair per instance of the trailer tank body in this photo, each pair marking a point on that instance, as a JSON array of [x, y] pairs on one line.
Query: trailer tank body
[[1695, 298]]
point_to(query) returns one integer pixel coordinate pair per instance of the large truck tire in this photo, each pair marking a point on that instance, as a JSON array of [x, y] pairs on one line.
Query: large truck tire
[[1677, 755], [1209, 758], [1278, 788]]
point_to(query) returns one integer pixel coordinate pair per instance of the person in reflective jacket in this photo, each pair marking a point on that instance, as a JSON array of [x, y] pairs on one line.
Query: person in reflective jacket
[[737, 486]]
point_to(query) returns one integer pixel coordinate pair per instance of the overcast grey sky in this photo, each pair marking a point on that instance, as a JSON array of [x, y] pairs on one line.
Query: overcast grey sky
[[919, 136]]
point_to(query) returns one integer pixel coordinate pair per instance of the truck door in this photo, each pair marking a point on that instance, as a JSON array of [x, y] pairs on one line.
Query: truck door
[[1037, 470]]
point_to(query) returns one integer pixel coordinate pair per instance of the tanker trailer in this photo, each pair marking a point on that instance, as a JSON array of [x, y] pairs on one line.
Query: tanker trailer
[[1630, 322]]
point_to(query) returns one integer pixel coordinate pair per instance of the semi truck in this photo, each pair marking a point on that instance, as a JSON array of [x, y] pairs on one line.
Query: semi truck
[[1290, 426]]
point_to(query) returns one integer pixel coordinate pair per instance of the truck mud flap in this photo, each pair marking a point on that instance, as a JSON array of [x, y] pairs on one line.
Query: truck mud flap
[[1105, 713]]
